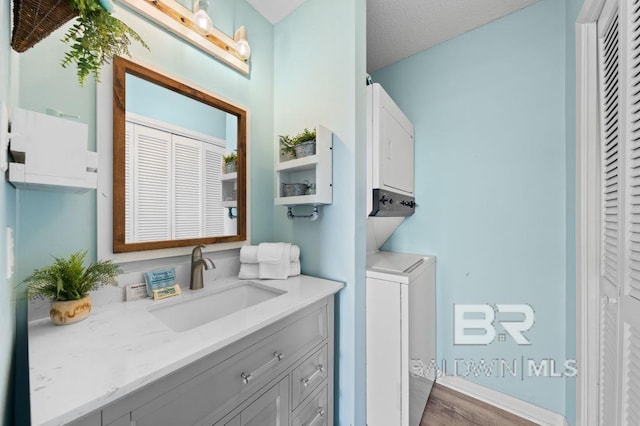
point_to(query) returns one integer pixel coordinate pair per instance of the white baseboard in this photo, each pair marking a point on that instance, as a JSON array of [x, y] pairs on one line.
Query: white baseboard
[[503, 401]]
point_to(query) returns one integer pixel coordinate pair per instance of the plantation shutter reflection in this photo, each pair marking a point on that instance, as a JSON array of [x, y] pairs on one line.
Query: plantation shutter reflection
[[128, 183], [172, 184], [187, 188], [214, 214], [152, 183]]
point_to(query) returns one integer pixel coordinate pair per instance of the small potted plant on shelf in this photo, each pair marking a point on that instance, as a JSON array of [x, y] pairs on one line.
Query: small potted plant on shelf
[[67, 283], [301, 145], [231, 162]]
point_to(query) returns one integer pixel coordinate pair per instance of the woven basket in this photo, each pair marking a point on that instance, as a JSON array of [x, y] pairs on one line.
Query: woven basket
[[34, 20]]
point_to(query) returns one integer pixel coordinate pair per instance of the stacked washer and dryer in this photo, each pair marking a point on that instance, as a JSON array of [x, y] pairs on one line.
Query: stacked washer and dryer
[[400, 318]]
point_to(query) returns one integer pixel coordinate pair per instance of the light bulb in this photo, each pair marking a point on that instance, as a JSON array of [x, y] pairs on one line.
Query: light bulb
[[202, 21], [243, 49]]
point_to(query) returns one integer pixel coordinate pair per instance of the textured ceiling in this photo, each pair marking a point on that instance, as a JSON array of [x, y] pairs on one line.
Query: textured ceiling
[[397, 29]]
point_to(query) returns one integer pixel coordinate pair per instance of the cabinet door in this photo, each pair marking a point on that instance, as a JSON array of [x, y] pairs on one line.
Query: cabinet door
[[270, 409], [384, 353]]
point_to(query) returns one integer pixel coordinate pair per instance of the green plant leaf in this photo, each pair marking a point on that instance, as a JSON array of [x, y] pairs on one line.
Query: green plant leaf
[[68, 279], [95, 39]]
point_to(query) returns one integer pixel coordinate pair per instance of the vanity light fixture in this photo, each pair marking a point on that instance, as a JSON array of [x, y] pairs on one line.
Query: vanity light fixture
[[187, 25], [242, 45], [201, 18]]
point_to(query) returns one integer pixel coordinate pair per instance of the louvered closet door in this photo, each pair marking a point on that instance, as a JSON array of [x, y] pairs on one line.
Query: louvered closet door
[[129, 190], [187, 188], [629, 382], [213, 213], [611, 232], [619, 30], [152, 176]]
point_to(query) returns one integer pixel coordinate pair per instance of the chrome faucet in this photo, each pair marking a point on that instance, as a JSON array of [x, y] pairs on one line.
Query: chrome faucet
[[197, 264]]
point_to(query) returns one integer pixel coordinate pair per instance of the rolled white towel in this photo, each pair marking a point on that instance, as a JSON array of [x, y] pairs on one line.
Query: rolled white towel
[[274, 261], [248, 271], [294, 269], [295, 253], [249, 254]]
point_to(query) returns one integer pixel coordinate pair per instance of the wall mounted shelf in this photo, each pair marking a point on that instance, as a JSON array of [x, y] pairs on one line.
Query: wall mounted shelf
[[316, 170], [229, 191], [50, 153]]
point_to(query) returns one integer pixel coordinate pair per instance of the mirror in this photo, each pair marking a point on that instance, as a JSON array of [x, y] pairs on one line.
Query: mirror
[[171, 186]]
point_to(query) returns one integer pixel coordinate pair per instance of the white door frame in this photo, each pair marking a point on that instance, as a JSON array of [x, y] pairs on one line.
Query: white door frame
[[587, 215]]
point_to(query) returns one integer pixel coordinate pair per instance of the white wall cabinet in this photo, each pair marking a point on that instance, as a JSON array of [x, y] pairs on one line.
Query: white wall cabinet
[[50, 153], [248, 383], [314, 170]]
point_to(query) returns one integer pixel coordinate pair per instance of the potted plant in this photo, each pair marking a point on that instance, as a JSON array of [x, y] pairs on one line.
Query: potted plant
[[301, 145], [67, 283], [287, 151], [231, 162], [96, 38]]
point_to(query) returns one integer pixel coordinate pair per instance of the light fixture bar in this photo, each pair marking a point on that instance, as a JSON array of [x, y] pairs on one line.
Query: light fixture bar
[[177, 19]]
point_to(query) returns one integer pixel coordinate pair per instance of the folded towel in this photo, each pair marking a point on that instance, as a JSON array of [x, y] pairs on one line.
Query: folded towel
[[248, 271], [294, 269], [274, 261], [249, 254], [295, 253]]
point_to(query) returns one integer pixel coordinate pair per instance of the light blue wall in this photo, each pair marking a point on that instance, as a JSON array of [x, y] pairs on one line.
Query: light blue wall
[[491, 181], [58, 224], [7, 219], [573, 9], [151, 100], [231, 132], [317, 83]]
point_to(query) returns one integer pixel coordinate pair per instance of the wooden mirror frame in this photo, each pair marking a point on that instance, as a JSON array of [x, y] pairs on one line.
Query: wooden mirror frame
[[122, 67]]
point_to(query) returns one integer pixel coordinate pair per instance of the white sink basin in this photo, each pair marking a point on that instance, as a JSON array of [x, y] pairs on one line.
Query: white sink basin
[[198, 310]]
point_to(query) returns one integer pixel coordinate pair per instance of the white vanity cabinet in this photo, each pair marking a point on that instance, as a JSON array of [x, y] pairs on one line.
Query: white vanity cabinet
[[273, 377]]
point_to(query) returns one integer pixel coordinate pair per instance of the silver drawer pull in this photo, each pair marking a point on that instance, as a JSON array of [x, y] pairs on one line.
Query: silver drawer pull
[[318, 372], [319, 415], [246, 378]]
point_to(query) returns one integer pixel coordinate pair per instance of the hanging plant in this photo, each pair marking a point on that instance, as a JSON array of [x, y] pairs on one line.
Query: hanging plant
[[96, 38]]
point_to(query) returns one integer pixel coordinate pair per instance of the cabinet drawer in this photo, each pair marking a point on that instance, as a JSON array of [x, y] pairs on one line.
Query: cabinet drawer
[[308, 375], [316, 410], [213, 393]]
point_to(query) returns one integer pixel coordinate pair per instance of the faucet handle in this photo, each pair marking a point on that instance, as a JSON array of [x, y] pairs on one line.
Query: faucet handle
[[197, 251]]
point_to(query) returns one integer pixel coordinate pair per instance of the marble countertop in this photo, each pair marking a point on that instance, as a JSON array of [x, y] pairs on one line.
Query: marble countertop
[[77, 369]]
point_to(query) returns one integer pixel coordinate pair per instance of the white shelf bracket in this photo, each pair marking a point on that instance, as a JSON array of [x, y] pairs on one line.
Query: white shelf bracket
[[310, 218]]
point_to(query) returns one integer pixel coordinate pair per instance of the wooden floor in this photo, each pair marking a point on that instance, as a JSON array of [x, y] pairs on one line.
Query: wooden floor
[[447, 407]]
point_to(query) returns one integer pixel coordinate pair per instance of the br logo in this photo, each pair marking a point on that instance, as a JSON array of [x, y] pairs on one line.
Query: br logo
[[474, 324]]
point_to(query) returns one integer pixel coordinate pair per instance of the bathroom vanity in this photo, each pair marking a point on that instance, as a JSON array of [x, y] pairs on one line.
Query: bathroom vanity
[[267, 364]]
